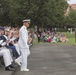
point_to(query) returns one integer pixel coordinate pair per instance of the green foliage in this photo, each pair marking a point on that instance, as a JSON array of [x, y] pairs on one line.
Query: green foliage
[[4, 18], [41, 12], [70, 20], [62, 29]]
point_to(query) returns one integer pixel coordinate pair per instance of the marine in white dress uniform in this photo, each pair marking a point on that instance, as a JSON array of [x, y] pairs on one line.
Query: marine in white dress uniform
[[23, 46], [5, 53]]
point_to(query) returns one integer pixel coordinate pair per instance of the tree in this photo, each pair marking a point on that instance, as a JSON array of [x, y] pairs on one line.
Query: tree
[[70, 20], [41, 12], [4, 18], [57, 9]]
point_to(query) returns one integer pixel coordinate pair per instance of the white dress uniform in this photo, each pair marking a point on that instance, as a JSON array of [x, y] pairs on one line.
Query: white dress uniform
[[6, 56], [24, 47], [17, 48]]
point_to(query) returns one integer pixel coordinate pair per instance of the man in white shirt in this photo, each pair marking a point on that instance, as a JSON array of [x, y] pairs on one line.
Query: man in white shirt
[[23, 45]]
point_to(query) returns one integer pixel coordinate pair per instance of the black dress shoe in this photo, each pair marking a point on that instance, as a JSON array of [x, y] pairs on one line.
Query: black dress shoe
[[12, 66], [9, 69]]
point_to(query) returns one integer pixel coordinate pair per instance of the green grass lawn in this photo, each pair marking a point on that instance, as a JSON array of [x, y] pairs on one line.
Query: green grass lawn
[[71, 38], [35, 41]]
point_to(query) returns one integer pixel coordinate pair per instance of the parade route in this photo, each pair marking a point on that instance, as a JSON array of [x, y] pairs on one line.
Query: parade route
[[37, 37], [50, 59]]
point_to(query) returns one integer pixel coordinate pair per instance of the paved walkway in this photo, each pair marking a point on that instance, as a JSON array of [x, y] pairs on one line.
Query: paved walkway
[[51, 59]]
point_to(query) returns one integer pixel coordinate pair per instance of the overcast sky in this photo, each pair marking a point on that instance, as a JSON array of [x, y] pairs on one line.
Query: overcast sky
[[72, 1]]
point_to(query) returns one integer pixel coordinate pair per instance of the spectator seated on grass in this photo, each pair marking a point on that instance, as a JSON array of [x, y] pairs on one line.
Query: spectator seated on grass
[[63, 38]]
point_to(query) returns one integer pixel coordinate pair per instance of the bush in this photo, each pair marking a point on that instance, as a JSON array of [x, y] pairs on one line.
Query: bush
[[62, 30]]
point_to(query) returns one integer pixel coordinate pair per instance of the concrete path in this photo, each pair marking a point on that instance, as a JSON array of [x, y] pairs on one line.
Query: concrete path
[[51, 59]]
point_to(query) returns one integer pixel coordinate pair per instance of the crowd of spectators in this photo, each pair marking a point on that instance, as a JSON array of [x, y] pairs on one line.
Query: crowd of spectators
[[9, 41], [50, 36]]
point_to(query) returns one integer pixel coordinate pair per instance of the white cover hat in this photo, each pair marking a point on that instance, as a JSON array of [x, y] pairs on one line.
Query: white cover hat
[[26, 20]]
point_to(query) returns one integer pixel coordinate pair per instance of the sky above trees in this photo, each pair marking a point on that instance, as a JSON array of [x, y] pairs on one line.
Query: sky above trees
[[72, 1]]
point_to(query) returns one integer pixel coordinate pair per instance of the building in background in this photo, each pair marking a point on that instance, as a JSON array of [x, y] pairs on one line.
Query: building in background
[[70, 7]]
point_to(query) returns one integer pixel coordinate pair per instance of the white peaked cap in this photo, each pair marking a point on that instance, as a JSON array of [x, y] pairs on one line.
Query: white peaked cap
[[26, 20]]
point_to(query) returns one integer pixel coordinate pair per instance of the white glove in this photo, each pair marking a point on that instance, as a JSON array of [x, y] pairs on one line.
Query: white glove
[[1, 41], [3, 44]]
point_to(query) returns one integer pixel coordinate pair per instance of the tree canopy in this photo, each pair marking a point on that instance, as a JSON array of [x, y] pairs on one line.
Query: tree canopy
[[70, 20], [41, 12]]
